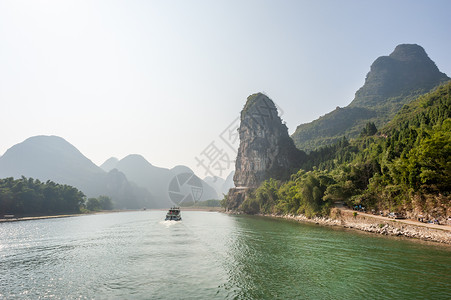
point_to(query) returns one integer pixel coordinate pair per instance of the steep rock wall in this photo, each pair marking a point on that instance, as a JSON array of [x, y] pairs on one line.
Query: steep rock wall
[[266, 150]]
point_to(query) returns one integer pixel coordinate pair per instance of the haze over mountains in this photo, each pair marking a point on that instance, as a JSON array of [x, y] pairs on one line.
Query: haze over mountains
[[155, 179], [393, 81], [53, 158], [222, 186], [131, 182]]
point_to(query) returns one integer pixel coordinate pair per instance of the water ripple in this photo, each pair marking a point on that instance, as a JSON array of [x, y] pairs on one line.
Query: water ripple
[[211, 256]]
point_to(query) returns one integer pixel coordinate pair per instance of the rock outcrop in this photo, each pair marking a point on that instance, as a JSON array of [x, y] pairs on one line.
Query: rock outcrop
[[266, 150], [407, 69]]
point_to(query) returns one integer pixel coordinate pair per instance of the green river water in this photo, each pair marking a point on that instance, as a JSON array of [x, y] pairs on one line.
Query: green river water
[[136, 255]]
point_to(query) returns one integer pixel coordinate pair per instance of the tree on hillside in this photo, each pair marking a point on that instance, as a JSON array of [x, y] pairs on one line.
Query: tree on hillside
[[369, 130], [105, 202], [100, 203]]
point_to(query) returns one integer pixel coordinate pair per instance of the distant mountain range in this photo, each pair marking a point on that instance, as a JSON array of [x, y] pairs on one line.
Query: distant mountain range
[[158, 180], [222, 186], [392, 82], [131, 182], [53, 158]]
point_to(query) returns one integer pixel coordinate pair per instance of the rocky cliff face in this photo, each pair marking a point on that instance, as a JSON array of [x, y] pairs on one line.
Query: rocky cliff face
[[266, 150]]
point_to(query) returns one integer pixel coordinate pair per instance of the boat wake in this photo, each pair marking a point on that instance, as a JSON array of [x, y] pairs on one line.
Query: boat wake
[[169, 223]]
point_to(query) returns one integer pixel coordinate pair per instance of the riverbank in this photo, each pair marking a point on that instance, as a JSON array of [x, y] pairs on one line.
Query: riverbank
[[17, 218], [380, 225]]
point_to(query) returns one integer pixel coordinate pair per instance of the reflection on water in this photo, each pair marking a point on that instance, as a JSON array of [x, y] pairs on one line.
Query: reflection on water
[[280, 259], [212, 255]]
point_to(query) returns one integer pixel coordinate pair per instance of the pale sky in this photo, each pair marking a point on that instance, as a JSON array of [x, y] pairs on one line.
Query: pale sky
[[165, 78]]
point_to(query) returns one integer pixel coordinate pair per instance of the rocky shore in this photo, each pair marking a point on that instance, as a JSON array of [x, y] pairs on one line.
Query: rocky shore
[[16, 219], [368, 223]]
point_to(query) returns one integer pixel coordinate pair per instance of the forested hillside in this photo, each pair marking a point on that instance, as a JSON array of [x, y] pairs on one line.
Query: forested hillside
[[405, 166], [393, 81]]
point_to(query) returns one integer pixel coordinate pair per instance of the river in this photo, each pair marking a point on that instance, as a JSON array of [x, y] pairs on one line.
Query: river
[[209, 255]]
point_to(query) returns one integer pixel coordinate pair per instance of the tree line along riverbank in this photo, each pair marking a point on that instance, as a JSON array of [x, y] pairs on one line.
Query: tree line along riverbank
[[28, 197]]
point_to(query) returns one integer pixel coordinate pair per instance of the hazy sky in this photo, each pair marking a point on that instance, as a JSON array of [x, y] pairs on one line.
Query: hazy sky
[[165, 78]]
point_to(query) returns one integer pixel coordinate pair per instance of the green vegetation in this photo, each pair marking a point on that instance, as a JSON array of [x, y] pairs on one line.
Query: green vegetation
[[250, 102], [100, 203], [304, 193], [405, 166], [28, 196], [330, 128], [348, 121], [369, 130]]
